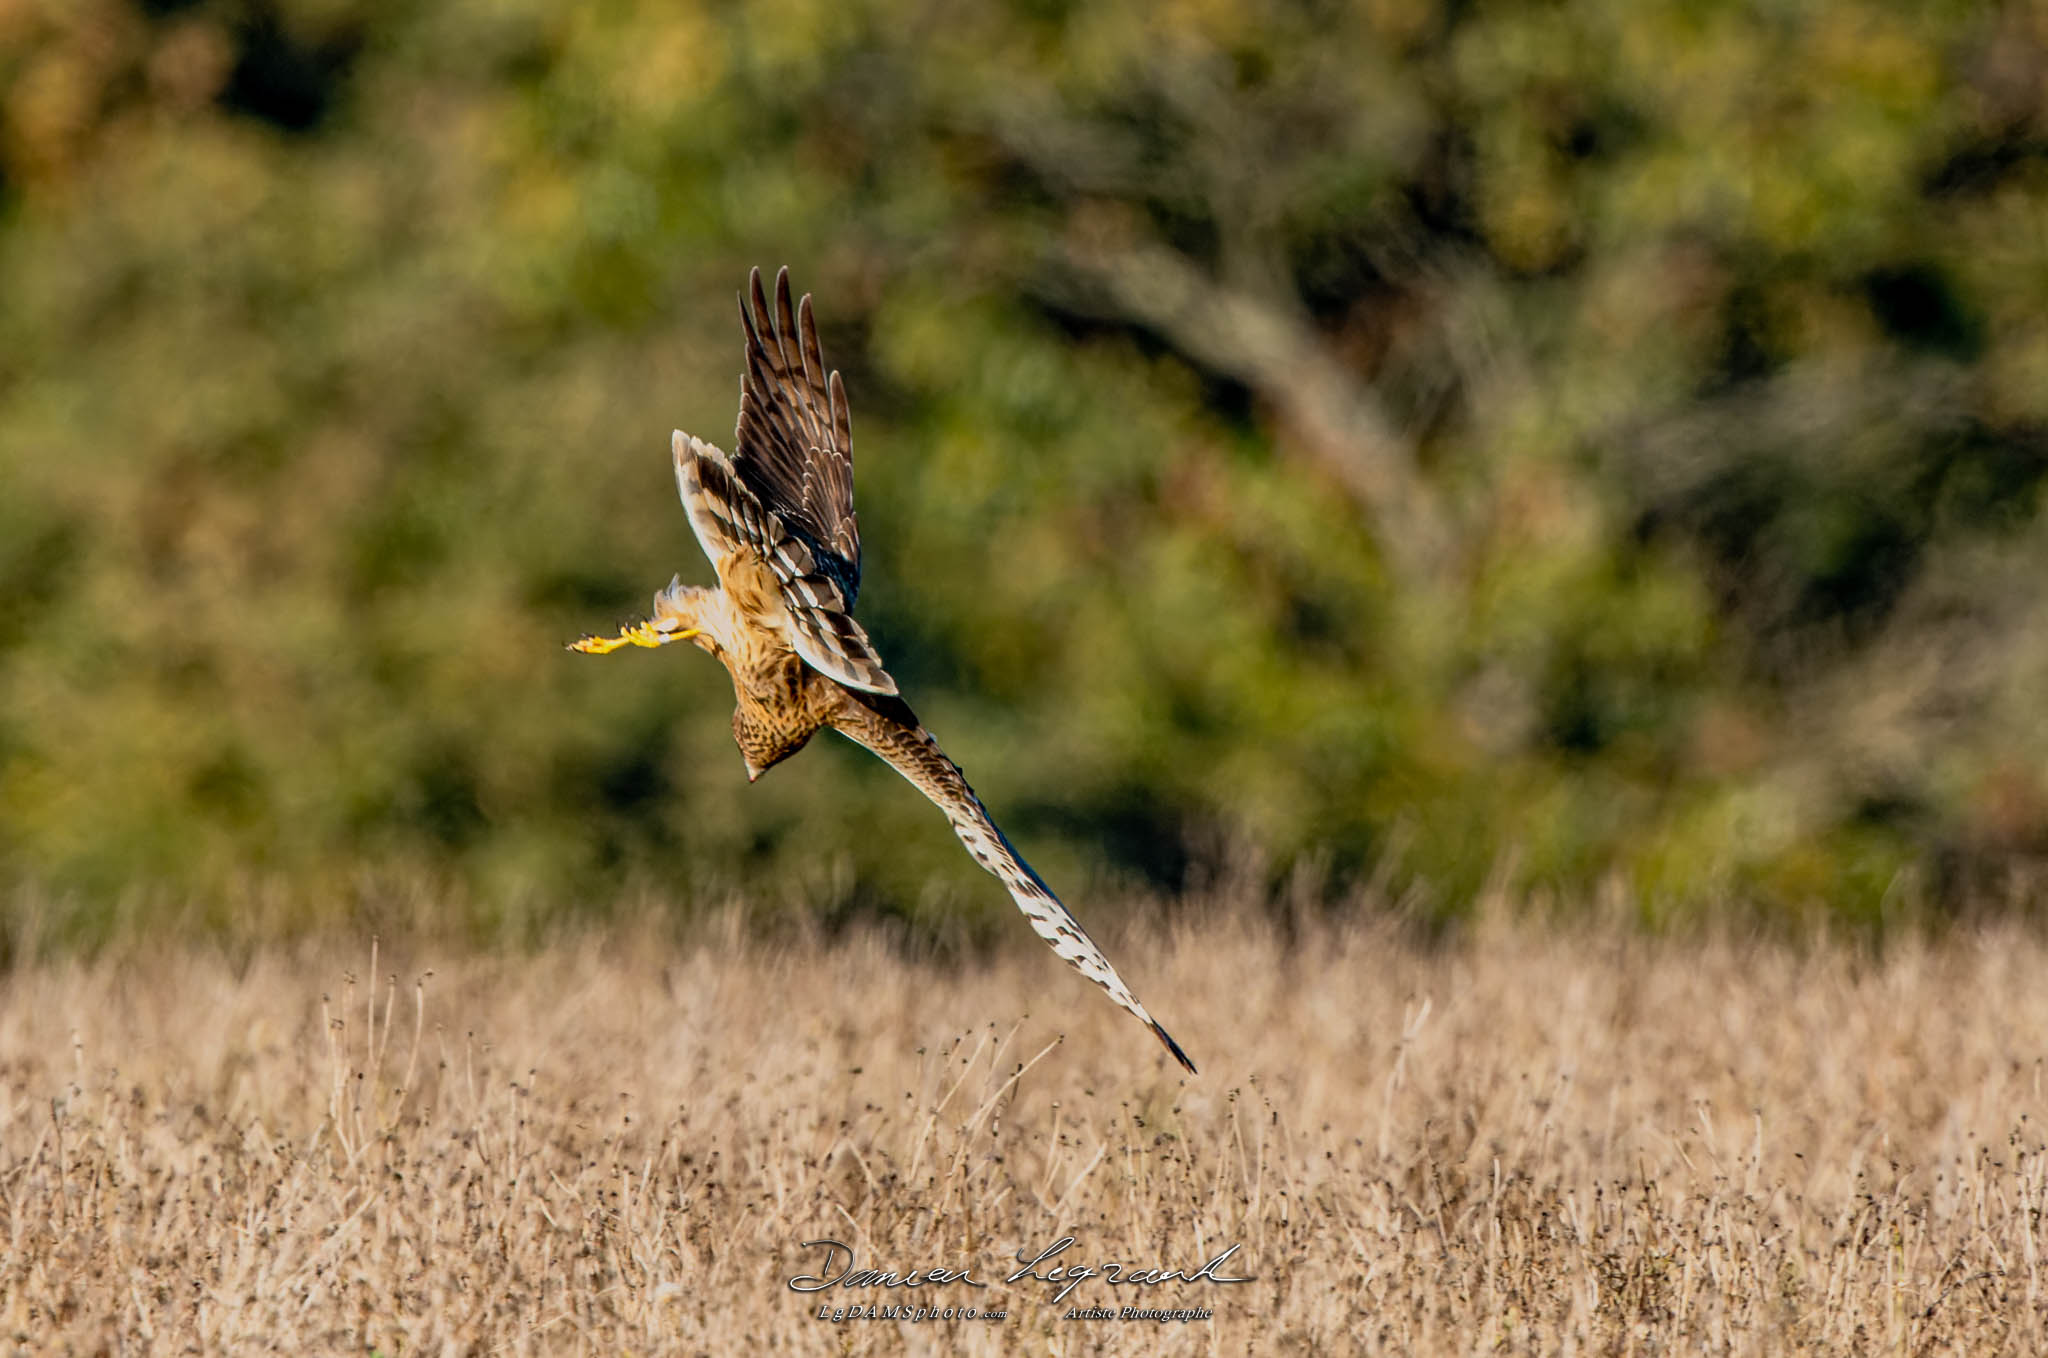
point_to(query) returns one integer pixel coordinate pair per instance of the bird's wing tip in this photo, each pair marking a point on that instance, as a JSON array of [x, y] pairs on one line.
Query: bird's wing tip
[[1174, 1047]]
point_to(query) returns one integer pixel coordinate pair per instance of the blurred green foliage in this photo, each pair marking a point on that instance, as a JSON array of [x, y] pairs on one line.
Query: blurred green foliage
[[1596, 440]]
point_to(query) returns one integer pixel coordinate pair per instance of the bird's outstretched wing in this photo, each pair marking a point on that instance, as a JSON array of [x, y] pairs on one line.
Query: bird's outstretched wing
[[794, 447], [887, 726], [786, 493]]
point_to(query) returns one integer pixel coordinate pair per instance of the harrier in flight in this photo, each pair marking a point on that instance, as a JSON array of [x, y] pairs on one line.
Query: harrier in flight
[[776, 518]]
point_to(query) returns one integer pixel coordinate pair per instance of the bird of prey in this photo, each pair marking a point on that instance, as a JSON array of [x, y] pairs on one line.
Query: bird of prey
[[776, 518]]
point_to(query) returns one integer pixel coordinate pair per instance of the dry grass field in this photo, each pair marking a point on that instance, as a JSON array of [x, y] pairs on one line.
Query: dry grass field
[[1527, 1140]]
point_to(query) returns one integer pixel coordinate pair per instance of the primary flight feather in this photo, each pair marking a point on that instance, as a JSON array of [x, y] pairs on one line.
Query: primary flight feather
[[776, 519]]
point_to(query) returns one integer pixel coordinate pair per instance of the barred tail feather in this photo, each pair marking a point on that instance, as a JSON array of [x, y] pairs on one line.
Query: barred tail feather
[[908, 748]]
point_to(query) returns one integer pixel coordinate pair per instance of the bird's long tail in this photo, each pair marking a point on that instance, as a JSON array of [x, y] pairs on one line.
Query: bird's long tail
[[887, 726]]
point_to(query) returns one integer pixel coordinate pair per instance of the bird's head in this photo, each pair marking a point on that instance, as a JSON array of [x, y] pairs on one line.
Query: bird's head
[[762, 745]]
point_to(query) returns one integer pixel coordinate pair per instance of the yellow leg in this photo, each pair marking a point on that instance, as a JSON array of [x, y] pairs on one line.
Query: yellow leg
[[639, 634]]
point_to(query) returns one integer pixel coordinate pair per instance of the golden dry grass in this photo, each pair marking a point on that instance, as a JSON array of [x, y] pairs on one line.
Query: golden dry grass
[[1534, 1141]]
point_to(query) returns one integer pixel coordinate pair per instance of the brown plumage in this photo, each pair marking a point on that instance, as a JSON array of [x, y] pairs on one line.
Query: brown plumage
[[776, 519]]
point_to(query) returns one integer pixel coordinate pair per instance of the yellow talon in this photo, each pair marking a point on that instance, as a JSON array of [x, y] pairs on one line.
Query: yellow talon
[[639, 634]]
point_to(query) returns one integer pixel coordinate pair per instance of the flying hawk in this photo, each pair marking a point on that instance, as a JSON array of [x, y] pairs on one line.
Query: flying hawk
[[776, 518]]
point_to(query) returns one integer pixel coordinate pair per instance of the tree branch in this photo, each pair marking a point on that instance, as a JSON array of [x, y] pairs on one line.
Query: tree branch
[[1274, 350]]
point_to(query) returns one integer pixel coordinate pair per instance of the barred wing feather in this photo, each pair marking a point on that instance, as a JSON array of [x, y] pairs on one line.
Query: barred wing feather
[[794, 446], [789, 483], [888, 727], [727, 516]]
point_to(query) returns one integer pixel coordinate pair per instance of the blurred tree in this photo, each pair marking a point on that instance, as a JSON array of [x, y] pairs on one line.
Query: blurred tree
[[1601, 437]]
